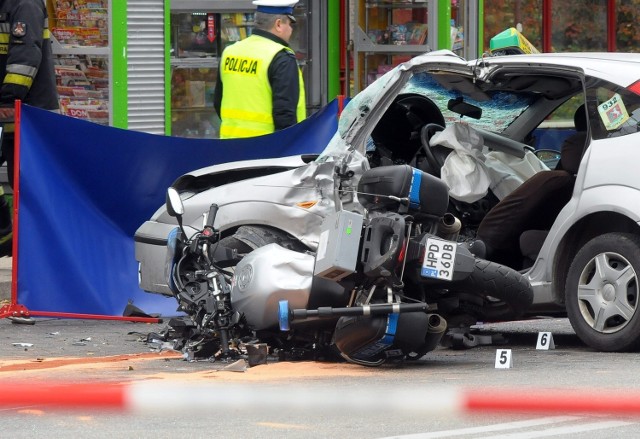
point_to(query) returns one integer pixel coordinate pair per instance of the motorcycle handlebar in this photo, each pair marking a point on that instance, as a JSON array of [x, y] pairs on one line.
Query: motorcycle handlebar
[[213, 211]]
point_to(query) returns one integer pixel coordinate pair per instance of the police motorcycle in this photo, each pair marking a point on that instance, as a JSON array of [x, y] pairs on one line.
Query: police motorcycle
[[344, 254], [380, 285]]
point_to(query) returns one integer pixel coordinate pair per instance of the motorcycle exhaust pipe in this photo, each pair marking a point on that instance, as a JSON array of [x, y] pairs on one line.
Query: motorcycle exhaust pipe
[[435, 332], [449, 227], [286, 315]]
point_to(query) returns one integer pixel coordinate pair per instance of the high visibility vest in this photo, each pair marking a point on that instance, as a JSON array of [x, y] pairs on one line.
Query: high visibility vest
[[247, 97]]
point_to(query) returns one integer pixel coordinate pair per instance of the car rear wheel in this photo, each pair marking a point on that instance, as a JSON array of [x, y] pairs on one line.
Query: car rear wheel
[[602, 290]]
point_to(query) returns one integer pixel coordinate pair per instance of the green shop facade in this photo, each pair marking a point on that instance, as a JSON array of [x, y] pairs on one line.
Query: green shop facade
[[150, 65]]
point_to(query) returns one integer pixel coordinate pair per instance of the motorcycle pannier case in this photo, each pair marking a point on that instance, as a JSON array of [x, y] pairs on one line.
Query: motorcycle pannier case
[[419, 191]]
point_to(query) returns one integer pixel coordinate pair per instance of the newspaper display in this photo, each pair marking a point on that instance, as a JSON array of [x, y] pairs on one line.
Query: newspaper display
[[82, 80], [83, 89], [81, 23]]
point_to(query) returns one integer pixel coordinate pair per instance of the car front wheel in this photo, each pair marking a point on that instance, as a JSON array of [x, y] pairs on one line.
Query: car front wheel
[[601, 292]]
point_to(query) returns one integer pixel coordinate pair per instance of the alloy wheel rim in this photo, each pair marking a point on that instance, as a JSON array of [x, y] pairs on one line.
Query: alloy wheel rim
[[608, 292]]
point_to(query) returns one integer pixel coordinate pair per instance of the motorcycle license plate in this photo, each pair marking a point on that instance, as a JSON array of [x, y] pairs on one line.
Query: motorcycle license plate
[[439, 259]]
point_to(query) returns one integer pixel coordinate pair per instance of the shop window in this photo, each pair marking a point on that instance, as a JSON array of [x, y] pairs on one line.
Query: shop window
[[579, 26], [628, 25], [525, 15]]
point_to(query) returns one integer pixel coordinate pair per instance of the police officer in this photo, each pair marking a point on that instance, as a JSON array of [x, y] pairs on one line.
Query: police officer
[[27, 74], [260, 88]]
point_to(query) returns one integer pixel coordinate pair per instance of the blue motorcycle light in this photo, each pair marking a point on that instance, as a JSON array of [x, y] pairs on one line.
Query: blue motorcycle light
[[283, 315], [170, 259]]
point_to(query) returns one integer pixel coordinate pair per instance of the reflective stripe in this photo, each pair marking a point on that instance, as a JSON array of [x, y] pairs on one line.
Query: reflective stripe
[[12, 78], [246, 115], [234, 132], [4, 49], [5, 35], [9, 127], [247, 128], [22, 69]]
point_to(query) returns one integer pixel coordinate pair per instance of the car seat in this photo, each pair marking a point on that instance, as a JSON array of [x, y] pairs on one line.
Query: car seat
[[533, 206]]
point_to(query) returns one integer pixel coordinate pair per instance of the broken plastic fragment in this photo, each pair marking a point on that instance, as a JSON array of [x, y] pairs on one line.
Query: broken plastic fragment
[[237, 366]]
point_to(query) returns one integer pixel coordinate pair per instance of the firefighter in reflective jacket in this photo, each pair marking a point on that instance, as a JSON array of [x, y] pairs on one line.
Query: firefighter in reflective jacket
[[27, 73], [26, 63], [260, 88]]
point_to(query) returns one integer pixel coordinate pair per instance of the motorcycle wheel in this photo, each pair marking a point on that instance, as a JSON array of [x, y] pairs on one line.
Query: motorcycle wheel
[[602, 293], [505, 293]]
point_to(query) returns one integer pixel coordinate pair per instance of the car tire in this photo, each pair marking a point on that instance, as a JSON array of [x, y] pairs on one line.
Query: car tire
[[602, 292]]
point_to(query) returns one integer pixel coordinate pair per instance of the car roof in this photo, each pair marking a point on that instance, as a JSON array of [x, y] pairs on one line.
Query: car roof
[[620, 68]]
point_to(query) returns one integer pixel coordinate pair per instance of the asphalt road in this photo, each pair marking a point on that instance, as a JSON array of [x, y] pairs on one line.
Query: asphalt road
[[307, 400]]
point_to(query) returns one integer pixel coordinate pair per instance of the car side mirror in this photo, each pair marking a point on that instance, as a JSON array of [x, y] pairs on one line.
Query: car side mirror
[[549, 157]]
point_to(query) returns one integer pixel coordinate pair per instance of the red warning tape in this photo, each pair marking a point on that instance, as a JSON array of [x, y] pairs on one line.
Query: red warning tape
[[63, 396], [180, 396]]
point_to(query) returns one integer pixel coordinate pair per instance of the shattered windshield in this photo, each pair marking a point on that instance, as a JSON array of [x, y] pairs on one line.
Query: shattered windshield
[[499, 108], [357, 108], [498, 112], [364, 101]]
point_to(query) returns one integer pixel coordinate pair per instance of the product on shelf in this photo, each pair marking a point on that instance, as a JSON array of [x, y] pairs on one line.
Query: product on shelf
[[192, 103], [399, 34], [236, 26], [83, 89], [398, 30], [80, 22]]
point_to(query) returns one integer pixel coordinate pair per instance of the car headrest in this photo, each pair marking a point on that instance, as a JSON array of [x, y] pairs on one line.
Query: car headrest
[[573, 146], [580, 119], [572, 150]]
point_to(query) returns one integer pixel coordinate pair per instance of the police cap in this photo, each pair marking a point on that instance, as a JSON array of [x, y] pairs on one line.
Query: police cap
[[282, 7]]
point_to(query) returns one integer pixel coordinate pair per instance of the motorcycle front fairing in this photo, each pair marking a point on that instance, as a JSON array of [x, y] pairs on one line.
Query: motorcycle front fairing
[[295, 201]]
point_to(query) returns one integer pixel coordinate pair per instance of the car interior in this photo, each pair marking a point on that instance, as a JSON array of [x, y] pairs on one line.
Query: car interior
[[404, 132]]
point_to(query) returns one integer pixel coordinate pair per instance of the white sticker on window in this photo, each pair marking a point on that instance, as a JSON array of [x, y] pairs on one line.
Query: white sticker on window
[[613, 112]]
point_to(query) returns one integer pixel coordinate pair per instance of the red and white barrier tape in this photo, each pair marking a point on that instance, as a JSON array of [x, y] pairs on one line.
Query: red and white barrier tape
[[176, 397]]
